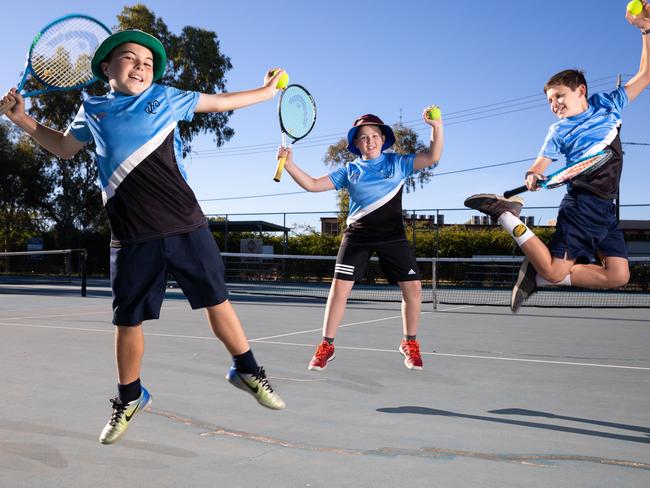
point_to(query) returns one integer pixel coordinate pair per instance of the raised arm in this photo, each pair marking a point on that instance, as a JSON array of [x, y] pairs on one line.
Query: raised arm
[[306, 181], [224, 102], [432, 156], [63, 145], [640, 81]]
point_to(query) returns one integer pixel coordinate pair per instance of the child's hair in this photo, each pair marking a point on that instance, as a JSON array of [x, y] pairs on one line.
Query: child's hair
[[572, 78]]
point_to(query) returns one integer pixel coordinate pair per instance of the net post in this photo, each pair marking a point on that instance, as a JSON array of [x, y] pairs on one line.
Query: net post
[[434, 297], [83, 257]]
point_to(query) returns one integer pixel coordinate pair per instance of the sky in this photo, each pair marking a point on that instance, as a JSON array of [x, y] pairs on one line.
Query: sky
[[483, 63]]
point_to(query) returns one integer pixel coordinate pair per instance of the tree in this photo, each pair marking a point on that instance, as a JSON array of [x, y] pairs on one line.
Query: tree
[[23, 184], [195, 62], [406, 142]]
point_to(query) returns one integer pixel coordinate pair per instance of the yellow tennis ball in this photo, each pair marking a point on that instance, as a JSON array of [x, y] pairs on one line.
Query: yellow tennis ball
[[283, 81], [433, 113], [635, 7]]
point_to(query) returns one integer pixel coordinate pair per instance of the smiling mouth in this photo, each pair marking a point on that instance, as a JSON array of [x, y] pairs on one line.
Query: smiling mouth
[[136, 78]]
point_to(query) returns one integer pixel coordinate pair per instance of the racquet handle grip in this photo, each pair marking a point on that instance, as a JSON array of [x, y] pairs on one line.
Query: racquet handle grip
[[279, 169], [5, 107], [515, 191]]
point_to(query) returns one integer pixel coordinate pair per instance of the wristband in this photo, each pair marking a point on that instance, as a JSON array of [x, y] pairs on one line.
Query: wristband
[[645, 32], [539, 176]]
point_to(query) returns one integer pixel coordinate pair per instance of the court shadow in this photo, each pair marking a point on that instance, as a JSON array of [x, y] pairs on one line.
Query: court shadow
[[415, 410], [548, 415]]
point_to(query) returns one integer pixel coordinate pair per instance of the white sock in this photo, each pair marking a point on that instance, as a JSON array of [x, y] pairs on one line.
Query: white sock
[[566, 281], [517, 229]]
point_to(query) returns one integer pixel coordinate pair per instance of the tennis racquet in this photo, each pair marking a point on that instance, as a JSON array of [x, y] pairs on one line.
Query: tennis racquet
[[60, 55], [297, 113], [582, 167]]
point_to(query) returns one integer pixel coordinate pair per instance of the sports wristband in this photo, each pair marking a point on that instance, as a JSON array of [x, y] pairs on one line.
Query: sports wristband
[[645, 32], [539, 176]]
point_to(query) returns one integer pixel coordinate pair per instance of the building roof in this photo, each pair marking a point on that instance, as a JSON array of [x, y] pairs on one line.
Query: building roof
[[245, 226]]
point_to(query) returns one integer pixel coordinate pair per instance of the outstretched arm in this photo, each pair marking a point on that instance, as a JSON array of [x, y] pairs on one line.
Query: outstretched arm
[[432, 156], [306, 181], [536, 172], [63, 145], [640, 81], [224, 102]]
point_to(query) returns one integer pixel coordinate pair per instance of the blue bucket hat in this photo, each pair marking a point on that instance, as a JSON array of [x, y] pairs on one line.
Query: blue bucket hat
[[130, 35], [369, 119]]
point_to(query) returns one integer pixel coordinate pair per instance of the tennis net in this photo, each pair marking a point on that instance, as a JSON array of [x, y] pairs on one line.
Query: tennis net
[[454, 281], [489, 281], [55, 267]]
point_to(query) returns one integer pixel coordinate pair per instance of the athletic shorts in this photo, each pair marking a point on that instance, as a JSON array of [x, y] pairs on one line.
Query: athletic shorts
[[587, 229], [396, 257], [139, 275]]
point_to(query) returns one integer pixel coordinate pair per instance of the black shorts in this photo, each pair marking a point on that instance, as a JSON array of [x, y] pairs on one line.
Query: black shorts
[[396, 257], [587, 229], [139, 275]]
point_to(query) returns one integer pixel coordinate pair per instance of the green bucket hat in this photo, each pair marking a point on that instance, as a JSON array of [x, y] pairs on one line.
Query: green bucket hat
[[130, 35]]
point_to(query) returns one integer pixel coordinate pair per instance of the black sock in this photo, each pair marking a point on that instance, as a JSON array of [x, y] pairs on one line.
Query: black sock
[[409, 338], [245, 363], [130, 392], [330, 340]]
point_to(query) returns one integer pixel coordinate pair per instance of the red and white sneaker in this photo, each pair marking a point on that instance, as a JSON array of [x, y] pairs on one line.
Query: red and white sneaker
[[323, 355], [411, 352]]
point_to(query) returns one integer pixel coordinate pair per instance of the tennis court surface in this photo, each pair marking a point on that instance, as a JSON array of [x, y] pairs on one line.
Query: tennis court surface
[[550, 397]]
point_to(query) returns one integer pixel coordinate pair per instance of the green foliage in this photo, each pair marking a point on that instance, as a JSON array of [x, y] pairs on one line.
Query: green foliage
[[194, 62]]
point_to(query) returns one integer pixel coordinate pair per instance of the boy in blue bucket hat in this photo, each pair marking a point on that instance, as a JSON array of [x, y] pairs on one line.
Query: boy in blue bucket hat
[[374, 225], [156, 222]]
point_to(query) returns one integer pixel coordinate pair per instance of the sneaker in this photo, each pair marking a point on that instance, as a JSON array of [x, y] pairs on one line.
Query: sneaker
[[411, 352], [525, 285], [495, 205], [323, 355], [257, 385], [122, 416]]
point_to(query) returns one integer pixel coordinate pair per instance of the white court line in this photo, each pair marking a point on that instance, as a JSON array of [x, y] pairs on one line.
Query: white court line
[[47, 316], [468, 356], [363, 322], [370, 349]]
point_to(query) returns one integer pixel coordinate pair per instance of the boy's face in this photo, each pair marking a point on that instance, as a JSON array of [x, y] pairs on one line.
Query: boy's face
[[566, 102], [369, 140], [129, 69]]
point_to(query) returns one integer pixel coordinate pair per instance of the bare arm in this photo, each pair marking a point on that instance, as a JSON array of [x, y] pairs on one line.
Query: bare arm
[[432, 156], [306, 181], [224, 102], [640, 81], [63, 145]]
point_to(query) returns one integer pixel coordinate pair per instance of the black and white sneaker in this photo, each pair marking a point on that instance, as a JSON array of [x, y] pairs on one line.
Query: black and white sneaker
[[494, 205], [525, 285]]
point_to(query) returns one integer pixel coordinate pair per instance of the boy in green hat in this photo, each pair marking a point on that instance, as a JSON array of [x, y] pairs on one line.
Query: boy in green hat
[[156, 222]]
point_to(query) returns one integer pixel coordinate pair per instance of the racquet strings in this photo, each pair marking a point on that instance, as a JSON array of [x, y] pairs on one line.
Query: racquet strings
[[583, 167], [61, 55], [297, 112]]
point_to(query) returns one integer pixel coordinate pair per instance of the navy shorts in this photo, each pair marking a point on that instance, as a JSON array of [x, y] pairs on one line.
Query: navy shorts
[[587, 229], [139, 275], [396, 258]]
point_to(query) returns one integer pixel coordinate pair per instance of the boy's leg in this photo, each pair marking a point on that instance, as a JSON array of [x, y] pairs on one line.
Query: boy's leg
[[132, 397], [137, 296], [129, 349], [337, 300], [614, 272], [335, 309], [411, 307], [225, 324]]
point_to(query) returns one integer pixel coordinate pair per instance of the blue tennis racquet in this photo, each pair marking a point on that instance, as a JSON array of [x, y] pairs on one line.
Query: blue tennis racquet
[[297, 113], [60, 55], [583, 167]]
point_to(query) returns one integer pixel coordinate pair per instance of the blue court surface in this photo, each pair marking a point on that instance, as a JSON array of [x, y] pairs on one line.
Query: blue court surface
[[547, 398]]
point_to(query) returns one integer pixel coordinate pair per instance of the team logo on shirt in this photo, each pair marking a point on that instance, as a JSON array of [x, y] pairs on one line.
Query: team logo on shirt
[[152, 107], [519, 230]]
